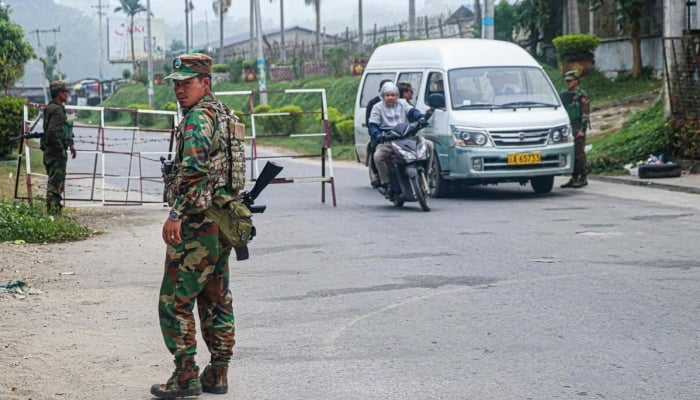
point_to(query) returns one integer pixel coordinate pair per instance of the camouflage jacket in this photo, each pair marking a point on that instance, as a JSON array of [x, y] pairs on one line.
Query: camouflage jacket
[[577, 105], [202, 159], [57, 131]]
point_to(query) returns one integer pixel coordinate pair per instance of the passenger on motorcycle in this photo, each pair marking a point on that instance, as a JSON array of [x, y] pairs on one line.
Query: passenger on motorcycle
[[385, 115]]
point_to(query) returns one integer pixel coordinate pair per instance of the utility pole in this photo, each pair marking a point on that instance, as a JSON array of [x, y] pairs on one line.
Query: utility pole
[[262, 85], [99, 7], [150, 53], [487, 20], [361, 40], [187, 24]]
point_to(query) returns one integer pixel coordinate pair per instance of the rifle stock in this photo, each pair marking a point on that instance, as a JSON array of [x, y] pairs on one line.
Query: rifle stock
[[268, 173]]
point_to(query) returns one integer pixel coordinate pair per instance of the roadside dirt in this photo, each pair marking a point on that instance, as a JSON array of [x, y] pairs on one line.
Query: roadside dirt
[[91, 300], [611, 117]]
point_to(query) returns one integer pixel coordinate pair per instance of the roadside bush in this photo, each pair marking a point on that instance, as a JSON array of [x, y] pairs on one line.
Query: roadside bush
[[267, 123], [170, 106], [10, 123], [334, 118], [346, 131], [289, 123], [235, 69], [575, 47], [30, 223], [220, 68]]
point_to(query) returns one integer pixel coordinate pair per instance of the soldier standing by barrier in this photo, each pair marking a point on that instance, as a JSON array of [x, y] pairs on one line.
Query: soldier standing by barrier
[[577, 105], [57, 139], [196, 262]]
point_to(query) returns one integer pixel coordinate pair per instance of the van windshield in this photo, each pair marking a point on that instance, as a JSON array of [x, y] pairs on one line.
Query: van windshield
[[501, 87]]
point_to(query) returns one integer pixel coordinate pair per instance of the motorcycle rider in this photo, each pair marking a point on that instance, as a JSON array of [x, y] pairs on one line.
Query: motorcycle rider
[[372, 142], [385, 115]]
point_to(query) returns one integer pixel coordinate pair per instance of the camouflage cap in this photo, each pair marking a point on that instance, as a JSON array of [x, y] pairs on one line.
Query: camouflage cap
[[571, 75], [190, 65], [58, 85]]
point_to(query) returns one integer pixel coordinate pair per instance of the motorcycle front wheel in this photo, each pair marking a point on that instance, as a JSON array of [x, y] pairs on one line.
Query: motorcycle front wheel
[[419, 185]]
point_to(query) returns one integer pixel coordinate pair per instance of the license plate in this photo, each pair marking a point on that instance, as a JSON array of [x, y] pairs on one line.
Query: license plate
[[524, 158]]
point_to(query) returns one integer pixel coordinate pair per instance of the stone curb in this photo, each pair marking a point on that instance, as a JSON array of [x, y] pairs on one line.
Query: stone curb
[[647, 183]]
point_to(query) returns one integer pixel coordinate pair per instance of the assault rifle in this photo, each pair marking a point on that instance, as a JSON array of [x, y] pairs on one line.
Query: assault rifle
[[268, 173], [34, 135]]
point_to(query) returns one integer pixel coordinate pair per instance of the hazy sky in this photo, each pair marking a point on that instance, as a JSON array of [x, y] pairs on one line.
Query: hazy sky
[[335, 14]]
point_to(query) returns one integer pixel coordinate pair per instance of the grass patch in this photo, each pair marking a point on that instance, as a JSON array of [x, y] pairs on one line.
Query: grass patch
[[646, 132], [31, 224]]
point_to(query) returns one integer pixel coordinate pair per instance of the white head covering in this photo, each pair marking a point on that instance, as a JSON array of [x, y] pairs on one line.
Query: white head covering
[[389, 87]]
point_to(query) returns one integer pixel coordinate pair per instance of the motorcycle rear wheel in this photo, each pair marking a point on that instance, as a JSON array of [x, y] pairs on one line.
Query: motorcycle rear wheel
[[418, 185]]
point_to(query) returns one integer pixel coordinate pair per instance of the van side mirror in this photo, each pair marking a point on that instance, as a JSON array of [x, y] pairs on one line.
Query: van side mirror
[[436, 100]]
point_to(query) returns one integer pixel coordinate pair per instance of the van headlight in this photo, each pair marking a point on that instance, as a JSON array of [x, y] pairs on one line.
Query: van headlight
[[560, 134], [470, 137]]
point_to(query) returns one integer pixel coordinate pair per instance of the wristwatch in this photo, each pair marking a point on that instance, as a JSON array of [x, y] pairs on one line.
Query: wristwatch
[[174, 215]]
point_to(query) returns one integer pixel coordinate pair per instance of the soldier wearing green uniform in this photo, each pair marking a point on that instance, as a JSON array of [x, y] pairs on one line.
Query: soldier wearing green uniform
[[58, 138], [577, 105], [196, 262]]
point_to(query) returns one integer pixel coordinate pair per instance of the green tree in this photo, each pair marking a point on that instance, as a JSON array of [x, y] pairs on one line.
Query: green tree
[[131, 8], [629, 15], [540, 20], [15, 51], [505, 21]]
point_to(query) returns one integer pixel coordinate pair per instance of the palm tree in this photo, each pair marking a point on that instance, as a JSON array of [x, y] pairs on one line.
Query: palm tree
[[317, 8], [131, 8], [220, 8], [283, 52]]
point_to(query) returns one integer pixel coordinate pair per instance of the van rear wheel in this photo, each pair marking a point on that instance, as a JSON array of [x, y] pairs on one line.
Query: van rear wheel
[[542, 184]]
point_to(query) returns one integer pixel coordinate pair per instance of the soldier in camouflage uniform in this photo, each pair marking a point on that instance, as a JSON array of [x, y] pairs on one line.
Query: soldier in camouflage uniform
[[58, 138], [577, 105], [196, 263]]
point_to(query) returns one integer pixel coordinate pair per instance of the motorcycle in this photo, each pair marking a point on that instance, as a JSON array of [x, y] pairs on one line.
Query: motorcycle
[[408, 165]]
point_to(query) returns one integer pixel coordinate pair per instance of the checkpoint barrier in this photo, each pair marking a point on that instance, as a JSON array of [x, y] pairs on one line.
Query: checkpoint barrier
[[326, 175], [107, 143], [110, 157]]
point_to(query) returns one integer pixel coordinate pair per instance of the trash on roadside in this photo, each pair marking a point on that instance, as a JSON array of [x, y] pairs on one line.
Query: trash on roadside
[[654, 167], [19, 289]]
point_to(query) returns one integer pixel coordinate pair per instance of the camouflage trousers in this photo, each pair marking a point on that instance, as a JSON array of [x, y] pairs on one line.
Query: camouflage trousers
[[56, 171], [580, 162], [197, 270]]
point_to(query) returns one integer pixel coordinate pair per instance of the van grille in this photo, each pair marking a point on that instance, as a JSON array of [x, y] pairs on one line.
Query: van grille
[[520, 138]]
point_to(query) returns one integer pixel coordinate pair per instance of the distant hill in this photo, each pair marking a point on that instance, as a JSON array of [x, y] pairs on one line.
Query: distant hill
[[76, 38]]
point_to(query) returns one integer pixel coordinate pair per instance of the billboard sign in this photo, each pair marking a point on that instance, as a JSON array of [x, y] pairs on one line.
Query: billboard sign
[[119, 39]]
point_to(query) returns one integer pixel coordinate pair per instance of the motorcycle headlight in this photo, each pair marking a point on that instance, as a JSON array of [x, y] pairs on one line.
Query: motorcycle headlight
[[470, 137]]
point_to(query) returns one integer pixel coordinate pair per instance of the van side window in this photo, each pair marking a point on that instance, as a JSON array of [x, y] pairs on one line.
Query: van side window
[[436, 84], [414, 78], [370, 87]]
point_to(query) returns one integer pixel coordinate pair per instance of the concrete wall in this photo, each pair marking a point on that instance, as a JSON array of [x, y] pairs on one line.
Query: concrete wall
[[615, 55]]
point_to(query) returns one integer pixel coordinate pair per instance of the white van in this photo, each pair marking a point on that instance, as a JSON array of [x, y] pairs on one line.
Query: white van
[[498, 117]]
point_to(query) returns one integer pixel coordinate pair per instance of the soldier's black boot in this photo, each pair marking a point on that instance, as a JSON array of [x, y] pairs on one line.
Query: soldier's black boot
[[580, 182], [184, 382], [214, 379], [570, 183]]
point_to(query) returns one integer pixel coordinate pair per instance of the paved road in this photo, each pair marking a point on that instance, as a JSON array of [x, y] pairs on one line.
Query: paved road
[[495, 294]]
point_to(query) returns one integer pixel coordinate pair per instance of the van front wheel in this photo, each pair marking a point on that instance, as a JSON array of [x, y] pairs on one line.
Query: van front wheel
[[542, 184], [439, 187]]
